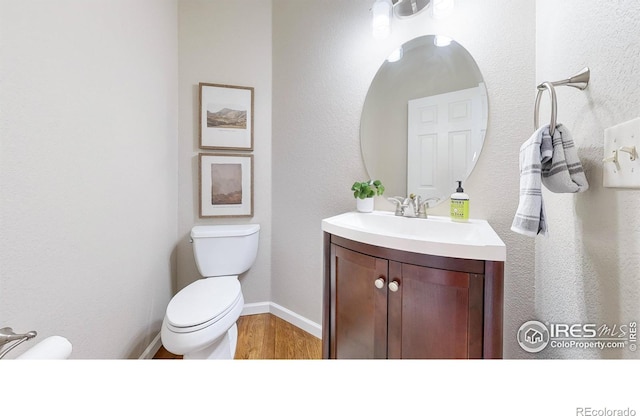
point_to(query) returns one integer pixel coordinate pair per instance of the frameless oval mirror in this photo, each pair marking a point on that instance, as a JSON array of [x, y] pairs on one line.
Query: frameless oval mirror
[[424, 119]]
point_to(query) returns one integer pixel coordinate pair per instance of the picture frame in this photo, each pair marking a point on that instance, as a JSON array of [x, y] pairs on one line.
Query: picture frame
[[226, 117], [226, 185]]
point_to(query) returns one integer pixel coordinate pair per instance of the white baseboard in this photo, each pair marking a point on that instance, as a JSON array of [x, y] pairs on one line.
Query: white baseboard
[[286, 314], [152, 349], [254, 309]]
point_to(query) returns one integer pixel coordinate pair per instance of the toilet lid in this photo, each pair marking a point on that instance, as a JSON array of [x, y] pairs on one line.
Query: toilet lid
[[202, 301]]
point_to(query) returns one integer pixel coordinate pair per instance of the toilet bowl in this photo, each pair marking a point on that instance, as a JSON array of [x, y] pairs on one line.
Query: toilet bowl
[[200, 321]]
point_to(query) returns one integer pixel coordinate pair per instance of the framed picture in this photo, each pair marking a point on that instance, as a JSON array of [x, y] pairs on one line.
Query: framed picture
[[226, 185], [226, 117]]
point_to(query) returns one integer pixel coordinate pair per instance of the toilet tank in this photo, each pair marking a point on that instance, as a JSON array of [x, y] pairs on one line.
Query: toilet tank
[[224, 250]]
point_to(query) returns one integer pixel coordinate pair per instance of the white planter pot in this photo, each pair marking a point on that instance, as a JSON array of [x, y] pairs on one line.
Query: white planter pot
[[364, 205]]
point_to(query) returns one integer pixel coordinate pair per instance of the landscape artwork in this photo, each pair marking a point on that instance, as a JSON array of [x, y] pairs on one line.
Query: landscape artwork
[[226, 185], [226, 117]]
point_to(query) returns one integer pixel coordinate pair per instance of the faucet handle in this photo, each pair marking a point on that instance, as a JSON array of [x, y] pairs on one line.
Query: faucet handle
[[400, 203], [422, 207]]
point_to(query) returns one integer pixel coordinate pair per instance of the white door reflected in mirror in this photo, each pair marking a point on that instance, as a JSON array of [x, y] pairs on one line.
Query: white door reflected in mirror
[[445, 136]]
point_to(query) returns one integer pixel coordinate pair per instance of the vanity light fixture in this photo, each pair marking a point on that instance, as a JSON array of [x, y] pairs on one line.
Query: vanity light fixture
[[396, 55], [408, 8], [381, 24], [383, 10], [442, 8]]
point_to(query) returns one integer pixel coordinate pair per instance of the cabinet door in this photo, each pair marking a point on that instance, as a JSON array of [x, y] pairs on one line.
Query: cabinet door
[[359, 316], [434, 313]]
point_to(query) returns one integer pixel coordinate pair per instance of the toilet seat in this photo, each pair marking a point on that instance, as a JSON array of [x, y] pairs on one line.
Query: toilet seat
[[203, 303]]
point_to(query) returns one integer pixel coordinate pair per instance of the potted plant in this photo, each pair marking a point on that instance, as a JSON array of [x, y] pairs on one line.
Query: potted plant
[[364, 193]]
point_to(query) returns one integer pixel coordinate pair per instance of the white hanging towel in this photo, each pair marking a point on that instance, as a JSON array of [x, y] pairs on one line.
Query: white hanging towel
[[564, 172], [550, 161]]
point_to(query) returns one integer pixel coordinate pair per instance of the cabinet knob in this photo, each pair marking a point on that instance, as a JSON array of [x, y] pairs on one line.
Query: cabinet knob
[[379, 282], [394, 286]]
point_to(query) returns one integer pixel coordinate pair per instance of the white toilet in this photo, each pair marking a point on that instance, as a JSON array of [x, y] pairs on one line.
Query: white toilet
[[200, 321]]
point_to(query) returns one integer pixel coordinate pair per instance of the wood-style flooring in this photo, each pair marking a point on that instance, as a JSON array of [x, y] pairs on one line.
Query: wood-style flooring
[[264, 337]]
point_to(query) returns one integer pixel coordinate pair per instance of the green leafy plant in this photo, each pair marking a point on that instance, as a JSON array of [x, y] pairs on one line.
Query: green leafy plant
[[367, 189]]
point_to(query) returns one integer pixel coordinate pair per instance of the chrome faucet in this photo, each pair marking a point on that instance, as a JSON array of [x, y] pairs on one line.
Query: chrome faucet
[[415, 202], [420, 207]]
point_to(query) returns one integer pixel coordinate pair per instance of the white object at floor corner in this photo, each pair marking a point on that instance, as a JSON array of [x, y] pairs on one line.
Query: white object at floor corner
[[51, 348]]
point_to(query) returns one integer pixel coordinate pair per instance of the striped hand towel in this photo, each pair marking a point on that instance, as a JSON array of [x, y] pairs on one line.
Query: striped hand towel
[[552, 162], [530, 217], [563, 173]]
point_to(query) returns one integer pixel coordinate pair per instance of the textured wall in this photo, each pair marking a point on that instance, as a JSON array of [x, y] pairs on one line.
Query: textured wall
[[103, 220], [225, 42], [88, 172], [324, 60], [588, 270]]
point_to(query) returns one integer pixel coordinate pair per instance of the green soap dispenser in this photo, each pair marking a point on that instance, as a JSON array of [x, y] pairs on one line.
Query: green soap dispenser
[[459, 205]]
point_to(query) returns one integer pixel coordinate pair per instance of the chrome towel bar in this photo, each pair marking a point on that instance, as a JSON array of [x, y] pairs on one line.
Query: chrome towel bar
[[579, 81]]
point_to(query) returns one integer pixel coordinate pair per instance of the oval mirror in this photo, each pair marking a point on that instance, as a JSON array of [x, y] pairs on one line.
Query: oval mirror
[[424, 119]]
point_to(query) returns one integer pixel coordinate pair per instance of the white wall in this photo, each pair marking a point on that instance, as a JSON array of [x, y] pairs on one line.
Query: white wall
[[88, 172], [324, 60], [225, 42], [588, 270], [90, 183]]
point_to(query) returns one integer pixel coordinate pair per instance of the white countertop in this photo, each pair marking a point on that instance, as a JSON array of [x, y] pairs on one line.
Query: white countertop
[[437, 236]]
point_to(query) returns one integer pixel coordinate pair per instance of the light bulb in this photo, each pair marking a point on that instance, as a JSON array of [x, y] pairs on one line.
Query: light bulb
[[441, 8], [381, 23], [441, 41], [395, 55]]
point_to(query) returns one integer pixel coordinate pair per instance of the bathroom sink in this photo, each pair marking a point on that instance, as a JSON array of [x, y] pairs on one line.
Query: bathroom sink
[[437, 236]]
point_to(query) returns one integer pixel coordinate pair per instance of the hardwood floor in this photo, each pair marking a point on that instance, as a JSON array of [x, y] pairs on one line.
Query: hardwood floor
[[265, 336]]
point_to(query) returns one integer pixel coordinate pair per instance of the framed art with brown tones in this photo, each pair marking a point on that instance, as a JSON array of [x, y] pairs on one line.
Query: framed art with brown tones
[[226, 185], [226, 117]]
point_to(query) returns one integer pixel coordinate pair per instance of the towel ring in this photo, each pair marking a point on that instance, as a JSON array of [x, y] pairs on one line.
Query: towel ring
[[554, 107], [579, 81]]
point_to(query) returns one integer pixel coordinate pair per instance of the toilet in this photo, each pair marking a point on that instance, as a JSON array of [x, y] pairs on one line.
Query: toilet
[[200, 321]]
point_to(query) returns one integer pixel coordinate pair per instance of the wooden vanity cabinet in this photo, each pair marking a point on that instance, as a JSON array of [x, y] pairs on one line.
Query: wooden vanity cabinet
[[384, 303]]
